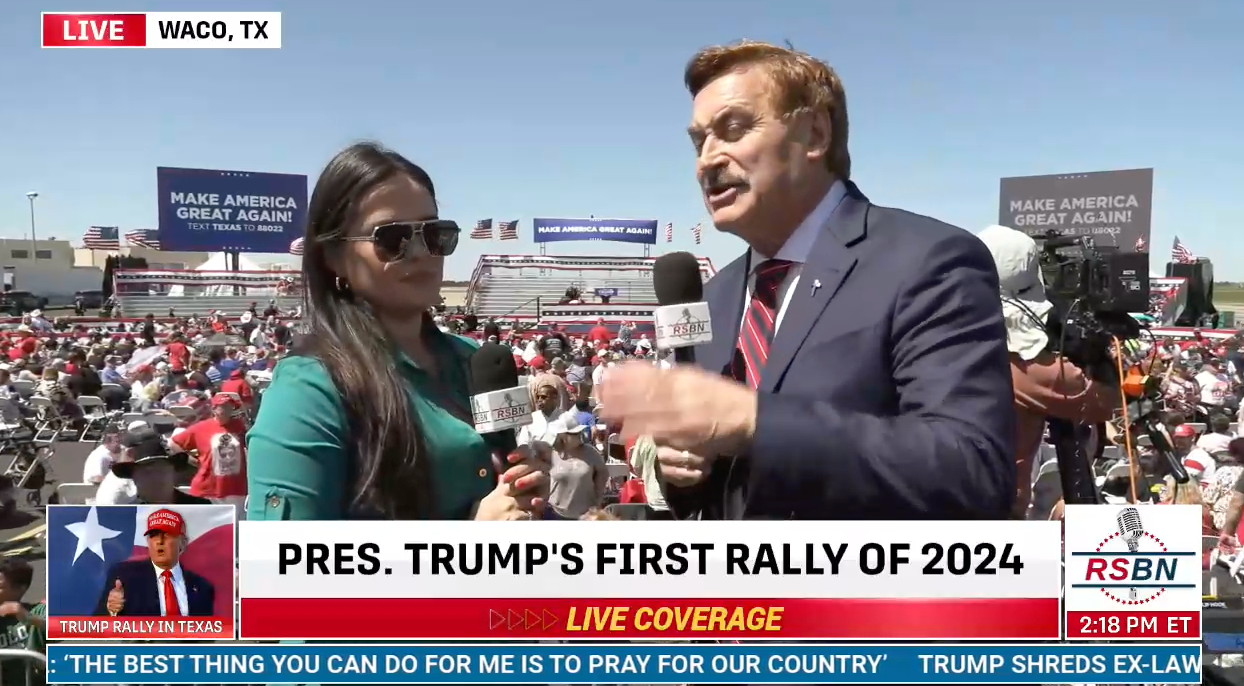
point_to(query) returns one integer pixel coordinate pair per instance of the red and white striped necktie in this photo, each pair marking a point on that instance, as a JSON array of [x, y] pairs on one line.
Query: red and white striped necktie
[[759, 322]]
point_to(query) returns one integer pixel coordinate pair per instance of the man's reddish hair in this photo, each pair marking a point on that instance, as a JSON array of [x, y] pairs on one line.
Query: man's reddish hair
[[801, 83]]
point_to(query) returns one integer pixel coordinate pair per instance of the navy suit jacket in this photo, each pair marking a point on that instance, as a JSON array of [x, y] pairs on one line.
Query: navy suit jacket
[[142, 594], [887, 393]]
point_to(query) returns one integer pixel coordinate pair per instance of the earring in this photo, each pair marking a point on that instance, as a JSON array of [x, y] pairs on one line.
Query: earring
[[341, 284]]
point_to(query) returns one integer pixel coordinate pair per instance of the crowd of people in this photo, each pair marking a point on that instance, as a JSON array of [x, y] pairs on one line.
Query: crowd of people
[[864, 366]]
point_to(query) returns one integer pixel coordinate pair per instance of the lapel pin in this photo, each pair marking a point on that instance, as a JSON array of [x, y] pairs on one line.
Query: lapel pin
[[816, 284]]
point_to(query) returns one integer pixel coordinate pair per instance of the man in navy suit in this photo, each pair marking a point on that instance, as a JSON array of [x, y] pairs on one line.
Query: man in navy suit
[[158, 586], [858, 368]]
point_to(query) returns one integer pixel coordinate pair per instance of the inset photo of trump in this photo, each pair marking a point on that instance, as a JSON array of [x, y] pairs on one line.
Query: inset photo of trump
[[132, 572]]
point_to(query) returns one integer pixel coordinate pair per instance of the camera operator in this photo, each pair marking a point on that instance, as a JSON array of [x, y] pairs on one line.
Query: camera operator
[[1046, 384]]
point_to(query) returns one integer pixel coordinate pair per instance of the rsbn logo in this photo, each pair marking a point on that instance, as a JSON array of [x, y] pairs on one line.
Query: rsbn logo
[[1131, 566]]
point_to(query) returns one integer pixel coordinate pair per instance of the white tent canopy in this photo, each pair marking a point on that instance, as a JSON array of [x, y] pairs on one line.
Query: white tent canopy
[[219, 262]]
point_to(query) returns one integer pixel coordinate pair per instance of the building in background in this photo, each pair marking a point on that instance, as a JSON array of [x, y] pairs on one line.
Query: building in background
[[156, 259], [58, 268]]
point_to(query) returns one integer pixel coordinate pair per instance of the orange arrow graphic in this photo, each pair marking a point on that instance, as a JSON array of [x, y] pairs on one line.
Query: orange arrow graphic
[[495, 619], [532, 619], [550, 620], [516, 620]]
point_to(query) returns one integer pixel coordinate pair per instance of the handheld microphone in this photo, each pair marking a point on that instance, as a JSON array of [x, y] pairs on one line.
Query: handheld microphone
[[499, 405], [682, 320]]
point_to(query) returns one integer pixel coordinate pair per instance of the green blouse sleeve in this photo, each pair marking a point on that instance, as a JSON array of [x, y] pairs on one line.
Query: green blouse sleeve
[[297, 459]]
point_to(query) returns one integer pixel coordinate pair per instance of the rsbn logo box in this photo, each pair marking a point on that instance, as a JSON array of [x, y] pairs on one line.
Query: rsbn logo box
[[1133, 572]]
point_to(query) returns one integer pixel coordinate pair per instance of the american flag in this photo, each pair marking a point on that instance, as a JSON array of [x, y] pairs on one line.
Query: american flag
[[102, 238], [144, 238], [508, 231], [482, 230], [1181, 254], [669, 232], [698, 233], [295, 248]]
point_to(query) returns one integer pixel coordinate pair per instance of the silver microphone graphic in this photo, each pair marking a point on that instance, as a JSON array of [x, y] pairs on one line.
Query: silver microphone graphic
[[1131, 529]]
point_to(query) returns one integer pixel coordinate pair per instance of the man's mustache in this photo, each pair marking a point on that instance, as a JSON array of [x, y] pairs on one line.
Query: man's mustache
[[721, 177]]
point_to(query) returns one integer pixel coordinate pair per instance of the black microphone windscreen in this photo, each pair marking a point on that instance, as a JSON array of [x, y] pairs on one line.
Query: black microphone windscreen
[[676, 279], [493, 369]]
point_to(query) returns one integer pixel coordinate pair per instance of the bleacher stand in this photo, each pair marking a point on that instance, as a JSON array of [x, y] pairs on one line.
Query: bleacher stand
[[527, 287], [198, 293]]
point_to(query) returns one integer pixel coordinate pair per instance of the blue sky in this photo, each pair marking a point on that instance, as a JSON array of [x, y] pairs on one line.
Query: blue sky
[[570, 108]]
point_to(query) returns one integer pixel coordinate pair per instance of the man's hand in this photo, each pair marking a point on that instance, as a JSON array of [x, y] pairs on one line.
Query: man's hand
[[683, 408], [15, 610], [116, 599], [682, 468]]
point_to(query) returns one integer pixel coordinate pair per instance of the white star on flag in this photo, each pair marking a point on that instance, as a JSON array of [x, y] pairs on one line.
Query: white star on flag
[[91, 535]]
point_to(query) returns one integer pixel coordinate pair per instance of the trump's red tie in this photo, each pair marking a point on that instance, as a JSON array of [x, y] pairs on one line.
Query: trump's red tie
[[759, 322], [171, 608]]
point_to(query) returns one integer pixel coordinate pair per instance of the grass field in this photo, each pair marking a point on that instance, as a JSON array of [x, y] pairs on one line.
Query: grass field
[[1229, 294]]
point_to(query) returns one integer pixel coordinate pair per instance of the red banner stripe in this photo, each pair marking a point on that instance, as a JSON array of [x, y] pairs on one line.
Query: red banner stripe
[[141, 628], [703, 619]]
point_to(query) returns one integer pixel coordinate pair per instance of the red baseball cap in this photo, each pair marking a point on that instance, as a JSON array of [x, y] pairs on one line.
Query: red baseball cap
[[222, 399], [166, 521]]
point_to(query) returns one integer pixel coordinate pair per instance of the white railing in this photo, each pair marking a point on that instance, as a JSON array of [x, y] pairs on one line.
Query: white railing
[[184, 306], [36, 664]]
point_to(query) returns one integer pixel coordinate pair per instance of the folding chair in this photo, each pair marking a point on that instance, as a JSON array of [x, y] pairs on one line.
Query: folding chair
[[95, 414], [1198, 427], [618, 470], [163, 422], [183, 413], [30, 470], [24, 388], [112, 387], [49, 424], [131, 417], [76, 494]]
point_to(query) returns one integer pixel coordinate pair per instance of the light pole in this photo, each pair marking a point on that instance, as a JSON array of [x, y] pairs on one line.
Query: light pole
[[34, 245]]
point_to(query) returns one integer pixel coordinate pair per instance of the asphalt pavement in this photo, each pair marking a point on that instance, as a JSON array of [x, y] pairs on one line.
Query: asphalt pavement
[[24, 535]]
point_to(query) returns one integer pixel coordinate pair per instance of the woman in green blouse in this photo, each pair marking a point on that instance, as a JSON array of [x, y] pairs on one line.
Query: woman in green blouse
[[371, 419]]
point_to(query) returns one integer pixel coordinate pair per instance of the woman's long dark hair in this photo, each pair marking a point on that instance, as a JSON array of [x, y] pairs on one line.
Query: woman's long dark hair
[[389, 471]]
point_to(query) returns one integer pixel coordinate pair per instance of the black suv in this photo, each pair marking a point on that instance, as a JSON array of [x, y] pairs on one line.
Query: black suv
[[18, 303], [91, 300]]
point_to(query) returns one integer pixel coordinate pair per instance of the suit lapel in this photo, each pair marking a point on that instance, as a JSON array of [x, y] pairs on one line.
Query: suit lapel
[[726, 310], [152, 582], [827, 267]]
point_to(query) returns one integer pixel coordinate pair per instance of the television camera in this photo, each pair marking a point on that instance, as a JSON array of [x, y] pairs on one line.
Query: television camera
[[1094, 291]]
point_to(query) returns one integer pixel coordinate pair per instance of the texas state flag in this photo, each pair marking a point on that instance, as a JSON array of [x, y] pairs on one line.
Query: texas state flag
[[85, 541]]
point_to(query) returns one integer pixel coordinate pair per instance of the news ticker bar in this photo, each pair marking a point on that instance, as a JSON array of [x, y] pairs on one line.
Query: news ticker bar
[[184, 30], [819, 619], [135, 628], [624, 664]]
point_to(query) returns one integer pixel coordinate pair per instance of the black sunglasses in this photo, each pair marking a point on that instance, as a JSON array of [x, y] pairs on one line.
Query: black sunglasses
[[438, 236]]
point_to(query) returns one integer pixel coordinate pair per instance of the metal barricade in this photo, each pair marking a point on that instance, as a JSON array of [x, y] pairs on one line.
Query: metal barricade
[[36, 666]]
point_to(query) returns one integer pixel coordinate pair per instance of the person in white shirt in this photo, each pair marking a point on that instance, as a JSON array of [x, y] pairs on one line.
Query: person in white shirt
[[99, 461], [1213, 383], [547, 399], [113, 489], [38, 322], [1219, 436]]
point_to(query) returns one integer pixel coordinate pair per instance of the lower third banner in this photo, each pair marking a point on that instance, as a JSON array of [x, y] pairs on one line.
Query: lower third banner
[[624, 664]]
